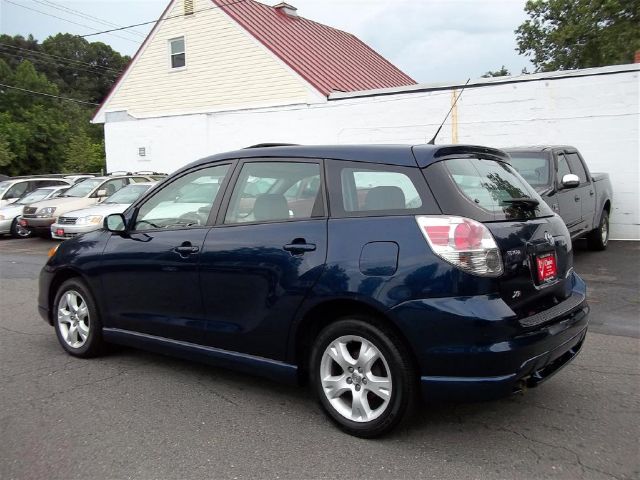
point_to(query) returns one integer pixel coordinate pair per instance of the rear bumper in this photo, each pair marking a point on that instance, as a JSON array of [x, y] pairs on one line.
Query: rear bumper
[[476, 348], [533, 372]]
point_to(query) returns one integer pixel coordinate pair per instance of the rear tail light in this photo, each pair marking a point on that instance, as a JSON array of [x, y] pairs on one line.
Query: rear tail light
[[463, 242]]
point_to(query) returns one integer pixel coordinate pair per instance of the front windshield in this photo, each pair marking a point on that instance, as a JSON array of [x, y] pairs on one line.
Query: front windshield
[[534, 168], [128, 194], [35, 196], [82, 189]]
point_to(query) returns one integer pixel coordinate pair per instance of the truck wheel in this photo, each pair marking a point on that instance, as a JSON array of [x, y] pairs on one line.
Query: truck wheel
[[18, 231], [599, 237]]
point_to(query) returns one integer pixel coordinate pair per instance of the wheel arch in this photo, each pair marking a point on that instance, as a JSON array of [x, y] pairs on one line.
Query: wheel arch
[[317, 317], [59, 278]]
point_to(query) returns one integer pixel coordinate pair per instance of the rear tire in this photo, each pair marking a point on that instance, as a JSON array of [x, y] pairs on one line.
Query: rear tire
[[363, 377], [76, 320], [18, 231], [598, 239]]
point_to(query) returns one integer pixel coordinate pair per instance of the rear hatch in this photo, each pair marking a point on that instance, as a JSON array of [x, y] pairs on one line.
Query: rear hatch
[[533, 243]]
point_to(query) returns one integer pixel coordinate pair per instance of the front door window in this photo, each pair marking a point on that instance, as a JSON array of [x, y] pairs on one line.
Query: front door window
[[184, 203]]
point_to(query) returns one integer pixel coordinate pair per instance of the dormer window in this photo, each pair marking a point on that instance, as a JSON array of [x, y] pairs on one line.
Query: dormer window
[[177, 52]]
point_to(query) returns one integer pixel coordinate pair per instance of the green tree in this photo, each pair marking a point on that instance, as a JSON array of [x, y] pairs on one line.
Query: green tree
[[7, 157], [40, 134], [84, 155], [503, 72], [568, 34]]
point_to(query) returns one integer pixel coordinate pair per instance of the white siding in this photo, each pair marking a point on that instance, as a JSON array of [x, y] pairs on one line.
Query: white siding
[[598, 114], [225, 68]]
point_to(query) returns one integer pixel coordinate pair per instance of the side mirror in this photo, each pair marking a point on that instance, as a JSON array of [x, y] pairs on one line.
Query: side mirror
[[115, 223], [101, 193], [570, 181]]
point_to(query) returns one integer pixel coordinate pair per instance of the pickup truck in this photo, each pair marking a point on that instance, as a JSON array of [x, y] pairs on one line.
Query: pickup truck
[[561, 177]]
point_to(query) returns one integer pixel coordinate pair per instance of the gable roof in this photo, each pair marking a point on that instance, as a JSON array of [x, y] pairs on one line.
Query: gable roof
[[327, 58]]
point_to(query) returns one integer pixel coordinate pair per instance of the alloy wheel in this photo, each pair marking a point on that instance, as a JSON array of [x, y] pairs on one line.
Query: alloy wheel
[[356, 378], [73, 319]]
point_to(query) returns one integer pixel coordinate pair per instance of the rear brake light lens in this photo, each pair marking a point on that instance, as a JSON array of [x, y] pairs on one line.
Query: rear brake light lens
[[463, 242]]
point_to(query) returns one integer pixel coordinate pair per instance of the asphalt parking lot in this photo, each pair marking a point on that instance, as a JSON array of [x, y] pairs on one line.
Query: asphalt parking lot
[[134, 414]]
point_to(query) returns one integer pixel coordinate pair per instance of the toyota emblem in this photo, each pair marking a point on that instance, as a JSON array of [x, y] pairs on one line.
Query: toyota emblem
[[549, 238]]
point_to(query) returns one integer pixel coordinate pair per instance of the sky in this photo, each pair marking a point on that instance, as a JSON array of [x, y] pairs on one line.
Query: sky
[[433, 41]]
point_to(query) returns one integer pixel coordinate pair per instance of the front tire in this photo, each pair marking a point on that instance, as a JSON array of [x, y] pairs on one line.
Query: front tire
[[598, 239], [362, 375], [18, 231], [76, 320]]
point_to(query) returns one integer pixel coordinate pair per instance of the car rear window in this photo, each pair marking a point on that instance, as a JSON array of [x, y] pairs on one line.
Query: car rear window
[[484, 190]]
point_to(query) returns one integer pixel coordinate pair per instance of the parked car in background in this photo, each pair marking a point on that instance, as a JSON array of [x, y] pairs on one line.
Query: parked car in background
[[9, 214], [88, 219], [14, 188], [372, 272], [157, 176], [562, 178], [78, 178], [41, 215]]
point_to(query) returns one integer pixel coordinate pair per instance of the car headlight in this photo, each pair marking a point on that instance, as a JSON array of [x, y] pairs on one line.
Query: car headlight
[[46, 212], [90, 220]]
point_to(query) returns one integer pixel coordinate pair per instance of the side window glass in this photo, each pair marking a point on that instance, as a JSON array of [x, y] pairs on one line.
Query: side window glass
[[366, 190], [563, 167], [272, 191], [17, 190], [576, 167], [112, 186], [185, 202]]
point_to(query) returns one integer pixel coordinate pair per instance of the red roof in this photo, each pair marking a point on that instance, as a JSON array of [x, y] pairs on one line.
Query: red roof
[[329, 59]]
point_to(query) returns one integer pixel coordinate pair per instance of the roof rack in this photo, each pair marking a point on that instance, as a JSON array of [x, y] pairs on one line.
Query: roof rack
[[149, 172], [117, 172], [43, 175], [268, 145]]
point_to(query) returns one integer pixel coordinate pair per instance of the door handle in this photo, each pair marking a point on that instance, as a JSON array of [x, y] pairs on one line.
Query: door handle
[[299, 246], [576, 198], [591, 193], [186, 249]]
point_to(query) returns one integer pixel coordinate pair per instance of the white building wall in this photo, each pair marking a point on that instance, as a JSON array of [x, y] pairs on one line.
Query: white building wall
[[598, 114]]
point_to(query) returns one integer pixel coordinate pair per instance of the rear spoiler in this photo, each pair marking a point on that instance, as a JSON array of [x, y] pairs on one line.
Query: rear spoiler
[[426, 155]]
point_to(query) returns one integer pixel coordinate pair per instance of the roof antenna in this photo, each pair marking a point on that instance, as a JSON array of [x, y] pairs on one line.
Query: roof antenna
[[433, 140]]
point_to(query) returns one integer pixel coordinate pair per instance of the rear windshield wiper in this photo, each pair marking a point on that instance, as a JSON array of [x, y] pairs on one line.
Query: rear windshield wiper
[[522, 202]]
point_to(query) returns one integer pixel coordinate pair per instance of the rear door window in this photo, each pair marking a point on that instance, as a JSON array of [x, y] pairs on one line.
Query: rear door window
[[485, 190], [276, 191]]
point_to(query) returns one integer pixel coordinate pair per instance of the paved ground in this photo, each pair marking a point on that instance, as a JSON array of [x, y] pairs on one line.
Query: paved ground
[[137, 415]]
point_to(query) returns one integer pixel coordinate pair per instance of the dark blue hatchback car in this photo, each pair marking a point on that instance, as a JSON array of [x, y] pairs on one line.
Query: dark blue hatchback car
[[375, 273]]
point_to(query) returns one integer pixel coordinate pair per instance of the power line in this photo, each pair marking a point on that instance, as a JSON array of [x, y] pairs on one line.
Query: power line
[[51, 61], [47, 95], [161, 19], [58, 57], [86, 16], [67, 20]]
